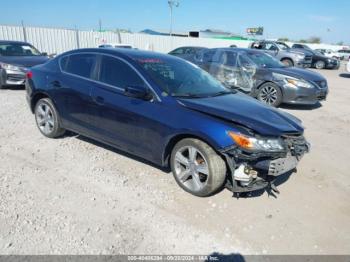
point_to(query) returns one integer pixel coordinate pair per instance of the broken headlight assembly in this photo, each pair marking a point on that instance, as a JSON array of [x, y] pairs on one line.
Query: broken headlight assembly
[[257, 144]]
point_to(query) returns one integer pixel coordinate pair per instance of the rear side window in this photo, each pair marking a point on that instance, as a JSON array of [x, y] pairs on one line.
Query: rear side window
[[117, 73], [79, 64], [178, 51]]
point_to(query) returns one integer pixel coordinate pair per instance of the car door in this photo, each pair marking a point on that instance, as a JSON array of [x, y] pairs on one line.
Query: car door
[[270, 48], [123, 121], [71, 89], [246, 76]]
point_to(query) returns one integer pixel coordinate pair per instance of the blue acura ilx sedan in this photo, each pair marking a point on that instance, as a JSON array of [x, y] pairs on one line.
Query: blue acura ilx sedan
[[169, 112]]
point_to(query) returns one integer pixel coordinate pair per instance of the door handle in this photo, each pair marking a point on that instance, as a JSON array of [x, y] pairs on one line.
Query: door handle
[[99, 100], [56, 83]]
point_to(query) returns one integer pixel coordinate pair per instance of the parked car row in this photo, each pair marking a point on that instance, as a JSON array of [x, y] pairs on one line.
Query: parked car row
[[261, 75], [343, 54]]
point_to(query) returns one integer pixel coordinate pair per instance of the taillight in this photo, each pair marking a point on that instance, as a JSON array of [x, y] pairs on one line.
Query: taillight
[[29, 75]]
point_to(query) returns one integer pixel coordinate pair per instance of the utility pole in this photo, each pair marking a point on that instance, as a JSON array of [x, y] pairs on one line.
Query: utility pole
[[24, 31], [172, 4], [100, 25]]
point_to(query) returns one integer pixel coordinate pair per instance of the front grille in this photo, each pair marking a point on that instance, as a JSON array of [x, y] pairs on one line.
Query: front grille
[[15, 78], [321, 84]]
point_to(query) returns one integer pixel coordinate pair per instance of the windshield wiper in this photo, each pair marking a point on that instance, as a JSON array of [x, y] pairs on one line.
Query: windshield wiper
[[188, 95], [226, 92]]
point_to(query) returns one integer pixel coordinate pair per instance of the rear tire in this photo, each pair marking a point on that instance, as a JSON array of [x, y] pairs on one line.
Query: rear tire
[[197, 168], [287, 62], [271, 94], [320, 65], [47, 119]]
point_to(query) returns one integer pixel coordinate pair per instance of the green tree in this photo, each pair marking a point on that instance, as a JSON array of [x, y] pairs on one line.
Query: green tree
[[284, 39], [314, 40]]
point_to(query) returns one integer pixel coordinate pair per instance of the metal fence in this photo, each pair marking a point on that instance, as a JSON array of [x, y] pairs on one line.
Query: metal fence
[[55, 40]]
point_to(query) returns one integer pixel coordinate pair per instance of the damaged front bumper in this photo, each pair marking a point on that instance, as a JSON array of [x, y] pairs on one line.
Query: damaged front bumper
[[252, 171]]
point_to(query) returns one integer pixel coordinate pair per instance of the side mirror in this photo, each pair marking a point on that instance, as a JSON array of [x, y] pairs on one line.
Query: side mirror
[[44, 54], [139, 92], [52, 55]]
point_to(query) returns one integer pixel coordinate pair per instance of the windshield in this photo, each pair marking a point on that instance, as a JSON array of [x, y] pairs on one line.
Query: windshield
[[264, 60], [16, 49], [317, 53], [181, 79], [282, 46]]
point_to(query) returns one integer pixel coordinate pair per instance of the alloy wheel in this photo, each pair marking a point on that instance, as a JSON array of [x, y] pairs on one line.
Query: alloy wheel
[[191, 168], [44, 118], [268, 95]]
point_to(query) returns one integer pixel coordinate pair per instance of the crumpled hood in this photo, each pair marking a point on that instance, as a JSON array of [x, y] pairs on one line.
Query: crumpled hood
[[244, 110], [299, 73], [24, 61]]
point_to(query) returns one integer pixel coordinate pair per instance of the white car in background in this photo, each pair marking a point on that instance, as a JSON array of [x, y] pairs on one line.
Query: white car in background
[[329, 53], [115, 45], [344, 54]]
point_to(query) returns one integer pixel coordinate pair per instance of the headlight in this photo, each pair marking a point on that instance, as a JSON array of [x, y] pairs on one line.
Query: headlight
[[9, 67], [292, 81], [257, 144]]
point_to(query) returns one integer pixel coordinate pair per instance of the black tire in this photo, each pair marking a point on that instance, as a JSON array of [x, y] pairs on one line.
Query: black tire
[[2, 86], [262, 97], [216, 177], [55, 129], [320, 65], [287, 62]]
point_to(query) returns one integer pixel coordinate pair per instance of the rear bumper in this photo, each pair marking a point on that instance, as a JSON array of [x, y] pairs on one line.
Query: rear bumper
[[303, 63]]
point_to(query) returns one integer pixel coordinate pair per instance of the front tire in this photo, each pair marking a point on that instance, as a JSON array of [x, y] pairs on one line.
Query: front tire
[[271, 94], [197, 168], [47, 119], [320, 65]]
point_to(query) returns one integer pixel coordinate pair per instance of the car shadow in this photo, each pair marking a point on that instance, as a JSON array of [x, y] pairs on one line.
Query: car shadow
[[345, 75], [278, 181], [301, 107], [14, 88], [117, 151]]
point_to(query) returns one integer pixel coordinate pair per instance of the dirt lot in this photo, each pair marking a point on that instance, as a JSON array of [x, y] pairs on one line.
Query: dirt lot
[[72, 196]]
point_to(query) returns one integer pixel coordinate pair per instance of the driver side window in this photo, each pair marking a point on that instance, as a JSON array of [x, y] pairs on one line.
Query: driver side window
[[117, 73]]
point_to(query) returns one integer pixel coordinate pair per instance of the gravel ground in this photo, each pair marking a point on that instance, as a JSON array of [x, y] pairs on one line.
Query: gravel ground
[[74, 196]]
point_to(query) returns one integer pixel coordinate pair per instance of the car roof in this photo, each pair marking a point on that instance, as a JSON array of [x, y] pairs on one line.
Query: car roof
[[13, 42], [237, 49], [122, 52]]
